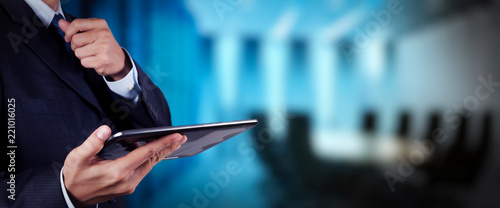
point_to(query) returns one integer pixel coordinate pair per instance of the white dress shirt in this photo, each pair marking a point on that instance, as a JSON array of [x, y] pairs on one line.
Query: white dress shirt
[[127, 87]]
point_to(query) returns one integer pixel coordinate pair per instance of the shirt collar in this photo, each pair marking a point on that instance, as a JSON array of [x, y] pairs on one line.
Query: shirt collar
[[43, 11]]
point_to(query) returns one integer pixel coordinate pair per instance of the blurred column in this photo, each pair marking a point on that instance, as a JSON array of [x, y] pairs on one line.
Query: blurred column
[[324, 57], [227, 56], [275, 56], [323, 66], [374, 60]]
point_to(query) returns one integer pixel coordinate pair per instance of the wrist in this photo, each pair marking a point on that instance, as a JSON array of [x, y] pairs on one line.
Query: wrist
[[127, 66]]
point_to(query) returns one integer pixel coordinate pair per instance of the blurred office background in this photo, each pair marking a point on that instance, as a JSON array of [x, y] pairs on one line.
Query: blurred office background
[[380, 103]]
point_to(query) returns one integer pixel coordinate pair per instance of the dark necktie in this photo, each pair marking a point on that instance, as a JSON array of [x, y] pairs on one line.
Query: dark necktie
[[58, 30], [54, 26]]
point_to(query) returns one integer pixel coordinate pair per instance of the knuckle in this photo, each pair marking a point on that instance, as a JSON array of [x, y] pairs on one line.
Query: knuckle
[[101, 33], [167, 144], [124, 189], [85, 63], [105, 35], [150, 153], [76, 23], [100, 49], [103, 22], [154, 157], [129, 190], [117, 176], [76, 38], [100, 71], [169, 150], [78, 52], [105, 58]]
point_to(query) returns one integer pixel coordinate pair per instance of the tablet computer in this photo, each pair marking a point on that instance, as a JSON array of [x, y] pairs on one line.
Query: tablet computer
[[199, 138]]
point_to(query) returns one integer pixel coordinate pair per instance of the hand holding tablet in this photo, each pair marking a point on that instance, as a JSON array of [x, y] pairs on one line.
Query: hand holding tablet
[[200, 138]]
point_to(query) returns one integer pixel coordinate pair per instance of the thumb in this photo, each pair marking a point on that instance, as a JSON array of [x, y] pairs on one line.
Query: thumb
[[94, 143], [63, 24]]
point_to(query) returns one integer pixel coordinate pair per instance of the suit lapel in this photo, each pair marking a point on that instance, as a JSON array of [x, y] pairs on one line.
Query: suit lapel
[[46, 47]]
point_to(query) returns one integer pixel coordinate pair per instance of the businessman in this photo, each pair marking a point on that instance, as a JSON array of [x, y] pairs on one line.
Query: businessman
[[65, 86]]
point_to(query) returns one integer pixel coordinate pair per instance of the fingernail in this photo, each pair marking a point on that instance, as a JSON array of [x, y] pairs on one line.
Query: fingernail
[[102, 133], [177, 140], [66, 38], [184, 139]]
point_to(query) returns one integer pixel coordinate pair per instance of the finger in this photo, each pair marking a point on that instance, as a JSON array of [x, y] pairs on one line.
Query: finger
[[93, 144], [146, 167], [153, 152], [86, 51], [90, 62], [82, 25], [83, 39], [63, 24]]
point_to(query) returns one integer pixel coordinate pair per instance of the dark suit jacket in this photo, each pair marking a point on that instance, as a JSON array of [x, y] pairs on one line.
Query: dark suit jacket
[[58, 104]]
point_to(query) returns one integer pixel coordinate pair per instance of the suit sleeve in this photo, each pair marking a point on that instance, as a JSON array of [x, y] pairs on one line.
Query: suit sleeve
[[38, 187], [32, 188], [150, 111], [153, 100]]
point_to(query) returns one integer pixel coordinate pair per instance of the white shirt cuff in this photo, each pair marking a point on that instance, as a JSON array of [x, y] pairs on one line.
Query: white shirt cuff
[[65, 193], [128, 87]]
